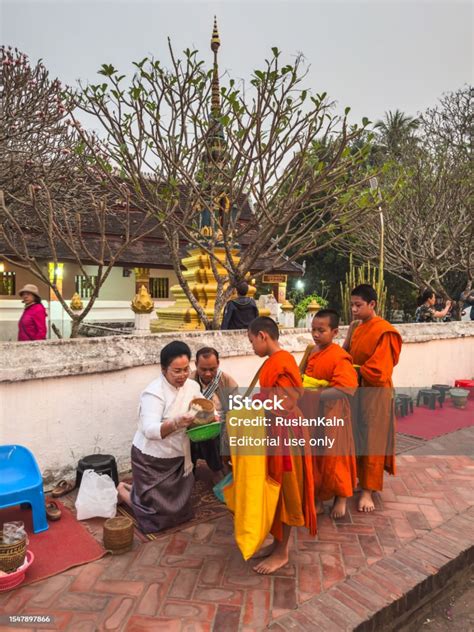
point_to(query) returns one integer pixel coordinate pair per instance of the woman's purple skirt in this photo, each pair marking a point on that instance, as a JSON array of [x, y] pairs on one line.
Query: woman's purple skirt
[[161, 494]]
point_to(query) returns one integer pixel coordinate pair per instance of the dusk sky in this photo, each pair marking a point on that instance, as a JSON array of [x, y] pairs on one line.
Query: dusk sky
[[374, 56]]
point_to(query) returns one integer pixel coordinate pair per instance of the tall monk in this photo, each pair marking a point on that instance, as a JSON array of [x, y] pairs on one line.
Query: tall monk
[[294, 472], [334, 474], [375, 348]]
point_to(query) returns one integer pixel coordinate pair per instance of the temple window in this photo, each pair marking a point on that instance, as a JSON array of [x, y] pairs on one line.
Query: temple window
[[159, 287], [85, 285]]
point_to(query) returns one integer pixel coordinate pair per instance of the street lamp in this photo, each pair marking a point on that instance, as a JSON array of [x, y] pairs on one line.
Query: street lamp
[[374, 186]]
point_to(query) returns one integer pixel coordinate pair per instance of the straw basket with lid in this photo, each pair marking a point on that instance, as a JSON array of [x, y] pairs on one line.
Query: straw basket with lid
[[118, 535], [12, 556]]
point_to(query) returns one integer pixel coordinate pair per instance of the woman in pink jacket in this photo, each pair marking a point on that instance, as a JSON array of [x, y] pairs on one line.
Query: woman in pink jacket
[[32, 324]]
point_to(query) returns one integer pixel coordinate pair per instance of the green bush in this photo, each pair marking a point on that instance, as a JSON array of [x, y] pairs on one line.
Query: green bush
[[301, 304]]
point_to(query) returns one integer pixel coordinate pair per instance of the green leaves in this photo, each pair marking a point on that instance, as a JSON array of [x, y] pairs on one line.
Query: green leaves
[[135, 92], [107, 70]]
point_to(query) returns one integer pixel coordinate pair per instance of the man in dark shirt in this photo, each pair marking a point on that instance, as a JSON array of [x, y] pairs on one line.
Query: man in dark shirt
[[239, 312]]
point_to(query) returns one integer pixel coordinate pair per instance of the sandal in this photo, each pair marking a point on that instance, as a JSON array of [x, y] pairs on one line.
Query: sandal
[[62, 488], [52, 510]]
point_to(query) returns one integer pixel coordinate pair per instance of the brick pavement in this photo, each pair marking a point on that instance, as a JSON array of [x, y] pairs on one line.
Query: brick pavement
[[196, 580]]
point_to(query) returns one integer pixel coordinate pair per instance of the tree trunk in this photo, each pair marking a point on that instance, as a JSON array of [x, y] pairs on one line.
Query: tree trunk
[[75, 324]]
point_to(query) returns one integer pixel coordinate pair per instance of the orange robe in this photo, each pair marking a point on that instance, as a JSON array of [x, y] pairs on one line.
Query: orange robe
[[296, 506], [335, 472], [375, 346]]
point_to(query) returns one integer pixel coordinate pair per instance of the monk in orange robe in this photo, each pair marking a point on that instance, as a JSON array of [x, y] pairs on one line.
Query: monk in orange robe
[[334, 474], [280, 376], [375, 348]]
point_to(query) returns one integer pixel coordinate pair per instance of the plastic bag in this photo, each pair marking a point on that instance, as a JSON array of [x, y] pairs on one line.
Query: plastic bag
[[14, 532], [97, 496]]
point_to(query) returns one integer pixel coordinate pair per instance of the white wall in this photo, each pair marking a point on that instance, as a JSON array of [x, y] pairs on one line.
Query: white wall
[[116, 311], [66, 399]]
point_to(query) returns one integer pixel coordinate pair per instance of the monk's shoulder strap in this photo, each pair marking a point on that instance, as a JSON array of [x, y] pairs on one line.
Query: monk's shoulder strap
[[253, 382], [304, 359]]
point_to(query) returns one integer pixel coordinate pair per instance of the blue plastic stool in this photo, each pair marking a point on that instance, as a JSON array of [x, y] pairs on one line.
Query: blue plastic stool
[[21, 482]]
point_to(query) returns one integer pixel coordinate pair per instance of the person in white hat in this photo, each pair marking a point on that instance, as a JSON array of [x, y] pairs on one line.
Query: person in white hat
[[32, 324]]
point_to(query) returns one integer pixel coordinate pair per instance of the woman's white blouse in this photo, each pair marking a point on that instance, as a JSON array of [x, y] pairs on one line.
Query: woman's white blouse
[[160, 402]]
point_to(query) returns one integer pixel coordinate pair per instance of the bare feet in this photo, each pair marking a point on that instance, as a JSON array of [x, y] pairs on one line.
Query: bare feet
[[271, 564], [366, 503], [124, 490], [339, 507], [266, 551], [319, 507]]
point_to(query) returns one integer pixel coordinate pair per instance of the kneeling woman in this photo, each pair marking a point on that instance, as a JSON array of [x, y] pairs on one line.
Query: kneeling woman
[[160, 495]]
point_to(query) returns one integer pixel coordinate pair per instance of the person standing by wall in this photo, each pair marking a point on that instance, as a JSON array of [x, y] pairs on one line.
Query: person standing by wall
[[426, 312], [32, 324], [468, 299], [241, 311], [375, 349]]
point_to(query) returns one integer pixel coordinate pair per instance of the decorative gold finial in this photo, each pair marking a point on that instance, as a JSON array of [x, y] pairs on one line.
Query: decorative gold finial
[[142, 303], [215, 96], [314, 306], [76, 303], [215, 39], [287, 306]]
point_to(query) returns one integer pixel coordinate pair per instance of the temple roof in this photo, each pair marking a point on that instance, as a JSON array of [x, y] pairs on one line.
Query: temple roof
[[150, 251]]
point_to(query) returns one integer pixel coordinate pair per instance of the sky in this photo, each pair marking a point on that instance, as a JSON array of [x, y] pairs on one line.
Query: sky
[[373, 55]]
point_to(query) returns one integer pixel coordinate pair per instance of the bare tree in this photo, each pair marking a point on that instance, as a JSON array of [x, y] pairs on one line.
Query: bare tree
[[98, 237], [37, 140], [429, 226], [450, 124], [234, 167], [53, 203]]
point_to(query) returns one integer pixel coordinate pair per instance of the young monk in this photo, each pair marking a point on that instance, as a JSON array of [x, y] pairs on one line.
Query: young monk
[[334, 474], [375, 348], [293, 472]]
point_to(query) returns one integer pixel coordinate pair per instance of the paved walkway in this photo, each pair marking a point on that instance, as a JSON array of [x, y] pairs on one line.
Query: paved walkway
[[196, 580]]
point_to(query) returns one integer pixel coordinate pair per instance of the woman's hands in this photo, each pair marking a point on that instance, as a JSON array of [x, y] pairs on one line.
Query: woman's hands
[[183, 421], [178, 423]]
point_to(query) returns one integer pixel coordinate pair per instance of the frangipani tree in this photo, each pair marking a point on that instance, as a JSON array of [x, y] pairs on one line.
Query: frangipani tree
[[427, 203], [221, 166]]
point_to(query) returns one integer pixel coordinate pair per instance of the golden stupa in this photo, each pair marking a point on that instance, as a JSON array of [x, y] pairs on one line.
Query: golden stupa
[[198, 270]]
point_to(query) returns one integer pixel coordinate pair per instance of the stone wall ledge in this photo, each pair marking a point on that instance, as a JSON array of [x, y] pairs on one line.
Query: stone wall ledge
[[59, 358]]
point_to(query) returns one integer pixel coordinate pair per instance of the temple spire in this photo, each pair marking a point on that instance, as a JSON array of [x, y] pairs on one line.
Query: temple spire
[[215, 98]]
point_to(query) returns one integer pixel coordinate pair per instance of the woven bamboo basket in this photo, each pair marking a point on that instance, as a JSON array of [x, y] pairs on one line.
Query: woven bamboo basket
[[206, 413], [12, 556], [118, 534]]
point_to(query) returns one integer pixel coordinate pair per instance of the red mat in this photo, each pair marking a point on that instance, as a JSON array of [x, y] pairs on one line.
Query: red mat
[[428, 424], [65, 544]]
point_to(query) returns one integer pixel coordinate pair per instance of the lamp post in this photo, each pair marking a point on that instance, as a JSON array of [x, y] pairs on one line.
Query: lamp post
[[374, 186]]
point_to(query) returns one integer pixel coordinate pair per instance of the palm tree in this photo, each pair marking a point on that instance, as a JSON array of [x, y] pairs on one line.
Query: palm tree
[[396, 129]]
